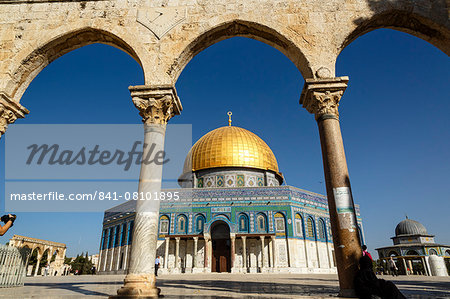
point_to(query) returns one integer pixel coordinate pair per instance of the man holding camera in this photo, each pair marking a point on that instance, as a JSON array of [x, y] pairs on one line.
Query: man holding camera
[[9, 221]]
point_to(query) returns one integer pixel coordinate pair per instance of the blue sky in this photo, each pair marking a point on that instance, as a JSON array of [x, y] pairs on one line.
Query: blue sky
[[394, 120]]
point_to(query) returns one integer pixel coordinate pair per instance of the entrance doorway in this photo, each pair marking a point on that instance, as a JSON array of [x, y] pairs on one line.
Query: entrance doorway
[[221, 247]]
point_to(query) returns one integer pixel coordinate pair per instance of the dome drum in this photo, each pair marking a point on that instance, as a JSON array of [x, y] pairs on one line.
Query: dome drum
[[230, 177]]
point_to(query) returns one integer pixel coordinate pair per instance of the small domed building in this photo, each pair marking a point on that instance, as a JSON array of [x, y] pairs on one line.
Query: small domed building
[[415, 251], [233, 215]]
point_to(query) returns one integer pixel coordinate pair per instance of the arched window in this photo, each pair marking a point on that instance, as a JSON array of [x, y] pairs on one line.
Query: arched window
[[124, 234], [447, 252], [261, 223], [199, 223], [130, 232], [432, 252], [299, 225], [181, 224], [280, 224], [322, 230], [310, 231], [164, 225], [413, 252], [243, 223]]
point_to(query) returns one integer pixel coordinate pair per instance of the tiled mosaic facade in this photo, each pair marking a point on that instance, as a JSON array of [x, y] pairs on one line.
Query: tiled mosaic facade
[[284, 210]]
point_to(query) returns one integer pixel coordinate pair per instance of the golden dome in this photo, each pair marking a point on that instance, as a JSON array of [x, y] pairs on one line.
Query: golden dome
[[230, 147]]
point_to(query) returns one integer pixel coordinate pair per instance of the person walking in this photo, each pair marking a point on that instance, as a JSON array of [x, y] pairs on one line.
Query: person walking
[[392, 267], [157, 264]]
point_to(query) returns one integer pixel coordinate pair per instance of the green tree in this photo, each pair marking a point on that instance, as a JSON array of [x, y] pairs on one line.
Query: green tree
[[82, 264]]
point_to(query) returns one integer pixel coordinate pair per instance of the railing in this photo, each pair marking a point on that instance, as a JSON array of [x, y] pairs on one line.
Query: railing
[[13, 263]]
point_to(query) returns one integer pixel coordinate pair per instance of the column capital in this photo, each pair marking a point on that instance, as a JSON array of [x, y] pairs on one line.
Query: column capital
[[262, 237], [177, 239], [9, 112], [321, 96], [244, 237], [167, 238], [156, 104], [195, 239]]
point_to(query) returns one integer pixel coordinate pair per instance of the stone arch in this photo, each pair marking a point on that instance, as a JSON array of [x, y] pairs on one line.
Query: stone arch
[[405, 21], [225, 216], [55, 46], [217, 219], [393, 253], [249, 29], [40, 250]]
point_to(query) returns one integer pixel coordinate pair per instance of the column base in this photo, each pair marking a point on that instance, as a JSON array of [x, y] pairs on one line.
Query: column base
[[347, 293], [197, 270], [138, 286]]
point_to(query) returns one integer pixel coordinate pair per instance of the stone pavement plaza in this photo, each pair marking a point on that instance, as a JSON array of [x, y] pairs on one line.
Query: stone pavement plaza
[[220, 286]]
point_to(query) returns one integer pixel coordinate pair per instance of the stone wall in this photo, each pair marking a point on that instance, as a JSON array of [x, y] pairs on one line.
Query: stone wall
[[163, 36]]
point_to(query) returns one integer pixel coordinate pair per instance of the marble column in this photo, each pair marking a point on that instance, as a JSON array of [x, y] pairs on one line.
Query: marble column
[[275, 252], [125, 256], [424, 264], [318, 254], [39, 257], [410, 266], [177, 255], [270, 258], [321, 97], [194, 255], [244, 253], [208, 253], [233, 252], [166, 252], [263, 266], [10, 111], [404, 266], [156, 106]]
